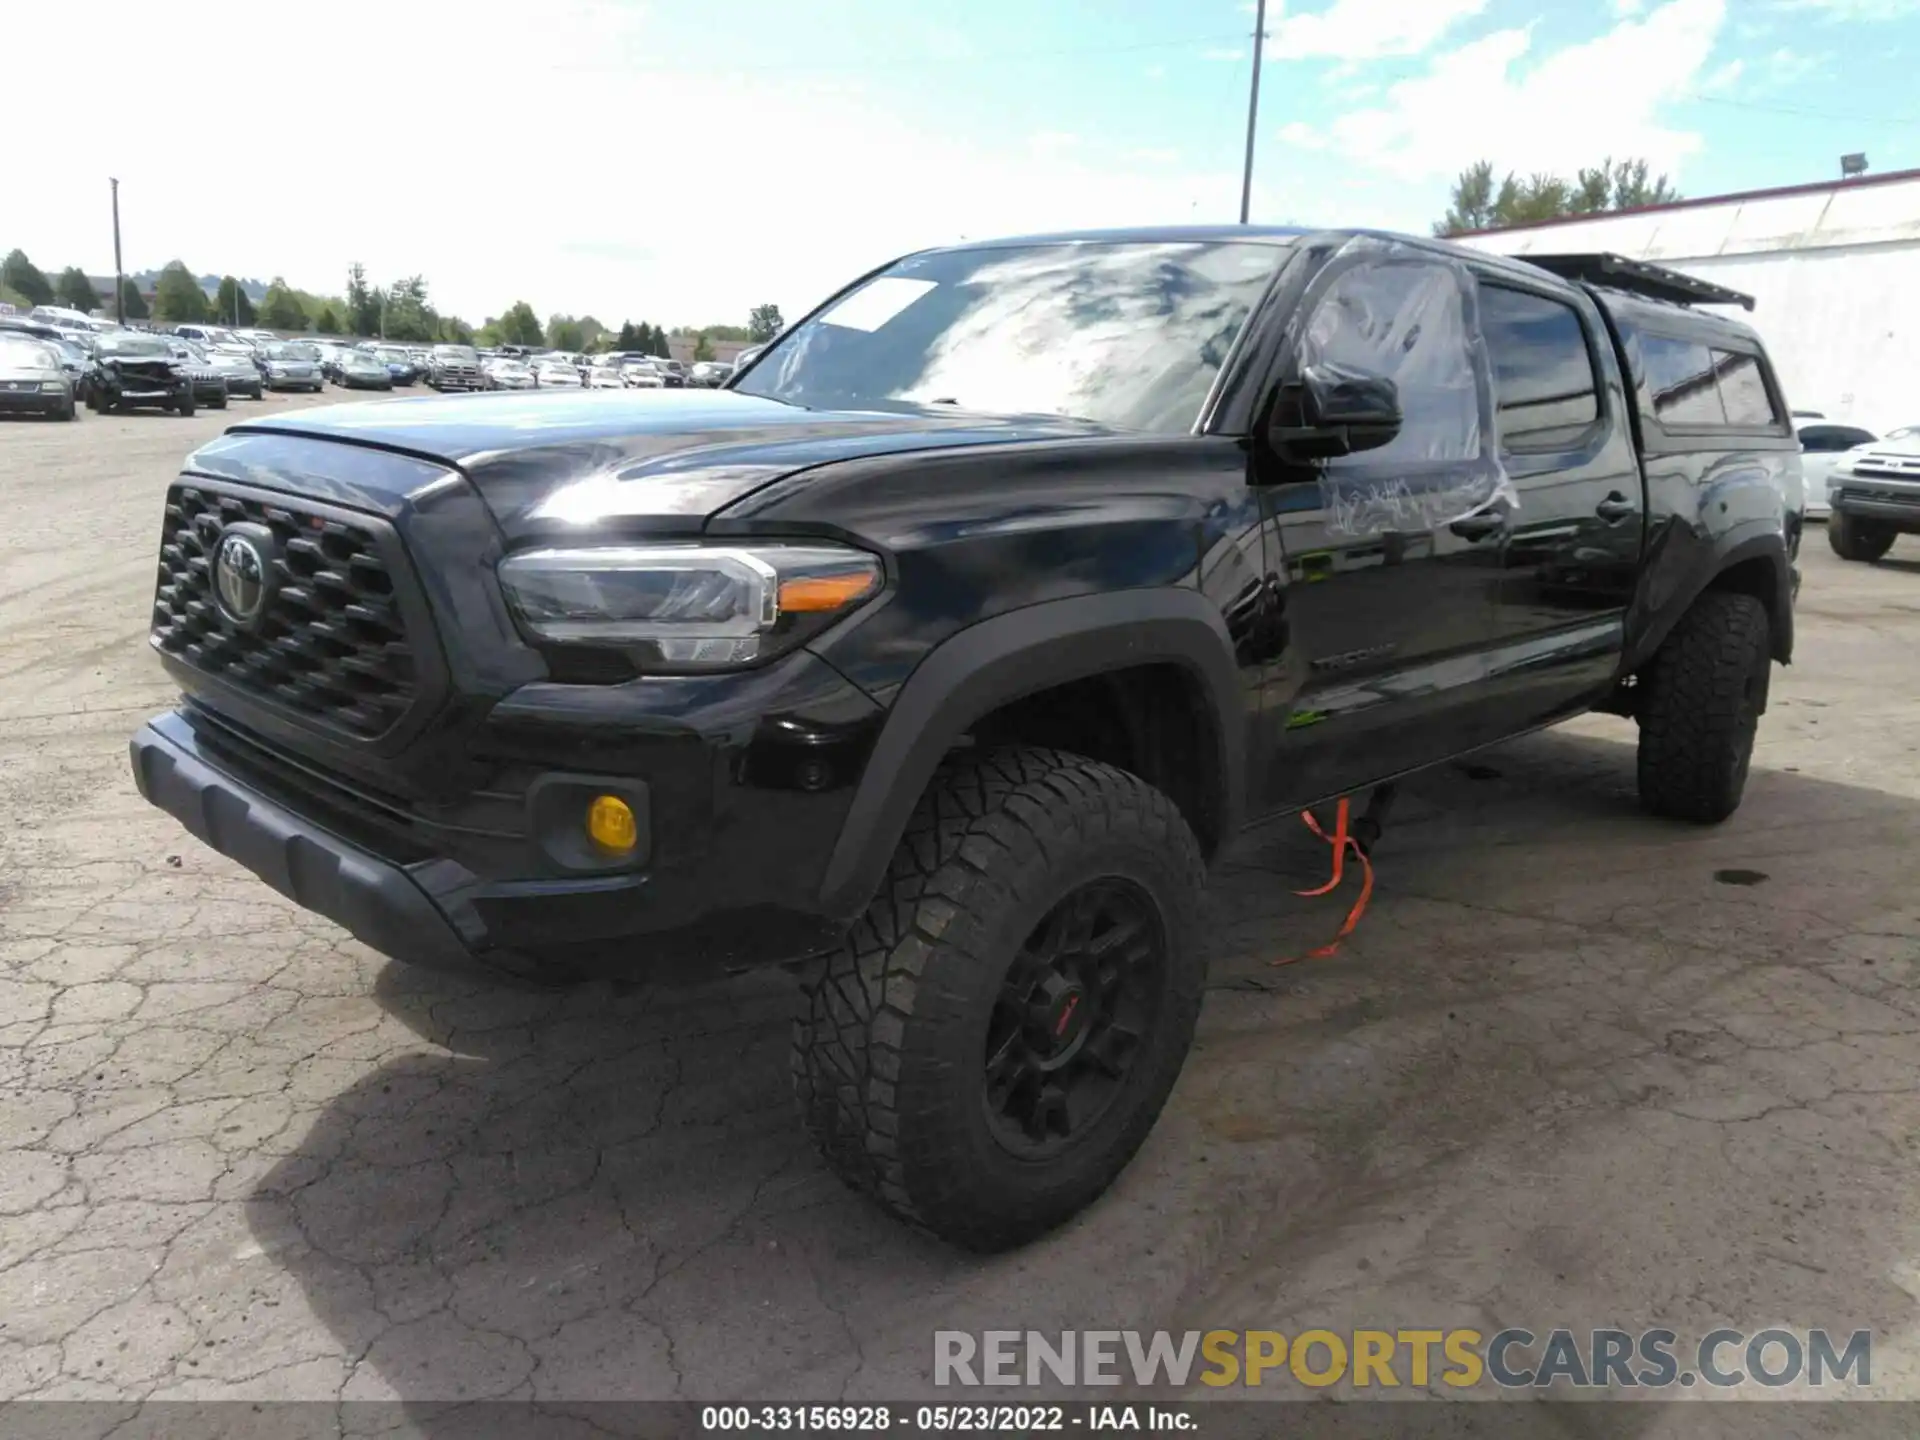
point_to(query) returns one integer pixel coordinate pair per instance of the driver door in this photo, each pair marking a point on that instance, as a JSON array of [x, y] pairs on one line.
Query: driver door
[[1387, 561]]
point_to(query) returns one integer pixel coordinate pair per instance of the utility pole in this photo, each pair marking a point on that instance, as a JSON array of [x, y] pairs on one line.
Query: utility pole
[[1253, 105], [119, 282]]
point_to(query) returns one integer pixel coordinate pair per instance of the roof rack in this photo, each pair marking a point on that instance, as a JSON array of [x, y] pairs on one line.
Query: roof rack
[[1638, 277]]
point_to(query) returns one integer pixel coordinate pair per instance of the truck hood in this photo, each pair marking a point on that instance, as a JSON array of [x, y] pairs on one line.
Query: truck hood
[[548, 462]]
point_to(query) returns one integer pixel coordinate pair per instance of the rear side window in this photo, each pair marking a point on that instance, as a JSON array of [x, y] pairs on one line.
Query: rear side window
[[1743, 390], [1545, 392], [1681, 381]]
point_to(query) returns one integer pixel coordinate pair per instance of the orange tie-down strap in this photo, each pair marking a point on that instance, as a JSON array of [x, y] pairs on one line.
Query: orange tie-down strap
[[1342, 841]]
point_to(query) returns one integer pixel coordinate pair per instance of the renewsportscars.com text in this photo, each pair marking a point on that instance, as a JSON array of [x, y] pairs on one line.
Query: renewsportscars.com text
[[1383, 1359]]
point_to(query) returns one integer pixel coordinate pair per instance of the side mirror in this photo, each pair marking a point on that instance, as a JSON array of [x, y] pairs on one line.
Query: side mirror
[[1334, 410]]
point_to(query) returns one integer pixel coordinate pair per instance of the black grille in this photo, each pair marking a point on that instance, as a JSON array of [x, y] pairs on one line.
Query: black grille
[[331, 644]]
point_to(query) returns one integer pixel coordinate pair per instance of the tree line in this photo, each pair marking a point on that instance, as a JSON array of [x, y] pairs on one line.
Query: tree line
[[397, 311], [1479, 203]]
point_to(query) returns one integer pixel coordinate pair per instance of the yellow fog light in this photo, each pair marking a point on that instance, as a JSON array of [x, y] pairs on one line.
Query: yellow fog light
[[611, 824]]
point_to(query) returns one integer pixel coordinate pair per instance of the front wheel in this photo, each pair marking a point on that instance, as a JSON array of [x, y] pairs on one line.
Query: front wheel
[[1855, 539], [1701, 699], [185, 405], [992, 1043], [219, 402]]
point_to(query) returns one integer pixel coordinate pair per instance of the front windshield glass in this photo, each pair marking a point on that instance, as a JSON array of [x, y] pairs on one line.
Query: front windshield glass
[[190, 350], [129, 343], [456, 352], [1129, 334], [23, 350], [286, 350]]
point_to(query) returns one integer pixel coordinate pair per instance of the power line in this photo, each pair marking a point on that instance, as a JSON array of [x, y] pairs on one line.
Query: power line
[[1801, 111]]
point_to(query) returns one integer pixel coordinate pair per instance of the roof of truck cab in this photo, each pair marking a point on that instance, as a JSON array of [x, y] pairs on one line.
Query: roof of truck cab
[[1143, 234]]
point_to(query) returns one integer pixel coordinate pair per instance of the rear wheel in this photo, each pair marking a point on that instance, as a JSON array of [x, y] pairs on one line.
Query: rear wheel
[[1855, 539], [1700, 705], [997, 1035]]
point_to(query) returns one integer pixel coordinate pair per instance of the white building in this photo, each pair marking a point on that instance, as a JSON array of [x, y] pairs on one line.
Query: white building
[[1834, 267]]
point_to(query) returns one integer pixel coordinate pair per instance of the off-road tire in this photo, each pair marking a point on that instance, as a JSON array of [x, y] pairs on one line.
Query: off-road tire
[[889, 1044], [1700, 703], [1855, 539], [185, 406], [219, 404]]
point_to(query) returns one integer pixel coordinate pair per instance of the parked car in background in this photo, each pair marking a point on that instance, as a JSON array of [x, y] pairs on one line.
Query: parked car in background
[[641, 375], [34, 379], [709, 374], [505, 373], [76, 359], [133, 370], [746, 357], [605, 377], [61, 318], [1873, 492], [210, 335], [557, 373], [359, 370], [289, 365], [209, 381], [332, 352], [242, 371], [258, 337], [399, 361], [672, 373], [455, 367], [1822, 443]]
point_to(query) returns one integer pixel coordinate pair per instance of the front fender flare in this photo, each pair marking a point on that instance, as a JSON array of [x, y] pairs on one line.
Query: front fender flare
[[1017, 654]]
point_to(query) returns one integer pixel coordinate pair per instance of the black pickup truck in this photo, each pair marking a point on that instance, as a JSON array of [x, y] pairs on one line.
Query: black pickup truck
[[939, 652]]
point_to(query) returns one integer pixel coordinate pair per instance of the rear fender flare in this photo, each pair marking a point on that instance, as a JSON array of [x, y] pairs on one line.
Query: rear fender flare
[[1013, 655]]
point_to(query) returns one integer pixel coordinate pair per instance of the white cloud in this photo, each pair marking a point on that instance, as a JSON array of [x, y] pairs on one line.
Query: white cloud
[[1626, 9], [566, 194], [1299, 135], [1353, 30], [1494, 98], [1854, 10], [1220, 54], [1723, 78]]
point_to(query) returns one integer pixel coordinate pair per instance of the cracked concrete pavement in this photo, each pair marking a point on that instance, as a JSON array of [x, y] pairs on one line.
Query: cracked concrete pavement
[[1576, 1068]]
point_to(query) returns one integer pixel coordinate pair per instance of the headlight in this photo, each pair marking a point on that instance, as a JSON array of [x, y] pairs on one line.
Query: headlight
[[694, 607], [55, 385]]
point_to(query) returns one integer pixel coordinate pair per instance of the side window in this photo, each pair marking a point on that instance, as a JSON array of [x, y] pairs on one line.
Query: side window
[[1545, 393], [1405, 321], [1681, 381], [1743, 391]]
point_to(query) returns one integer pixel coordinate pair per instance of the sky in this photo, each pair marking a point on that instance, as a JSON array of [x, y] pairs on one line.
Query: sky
[[681, 162]]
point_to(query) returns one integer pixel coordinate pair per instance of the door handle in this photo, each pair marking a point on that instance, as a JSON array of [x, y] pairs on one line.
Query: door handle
[[1615, 507]]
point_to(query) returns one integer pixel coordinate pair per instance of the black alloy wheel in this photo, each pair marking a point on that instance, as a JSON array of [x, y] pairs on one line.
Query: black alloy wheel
[[1070, 1016]]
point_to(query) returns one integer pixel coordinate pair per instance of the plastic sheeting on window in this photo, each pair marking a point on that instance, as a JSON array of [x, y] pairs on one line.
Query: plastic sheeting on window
[[1410, 316]]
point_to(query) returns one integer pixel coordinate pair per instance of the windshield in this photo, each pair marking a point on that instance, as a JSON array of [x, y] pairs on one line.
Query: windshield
[[393, 356], [1129, 334], [128, 343], [286, 350], [189, 349], [455, 352], [23, 350]]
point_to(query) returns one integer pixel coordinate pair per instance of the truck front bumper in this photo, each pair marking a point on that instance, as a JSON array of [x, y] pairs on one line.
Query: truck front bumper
[[376, 902], [1877, 497]]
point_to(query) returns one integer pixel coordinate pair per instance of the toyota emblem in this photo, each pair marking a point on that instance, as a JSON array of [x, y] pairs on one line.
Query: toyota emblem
[[241, 574]]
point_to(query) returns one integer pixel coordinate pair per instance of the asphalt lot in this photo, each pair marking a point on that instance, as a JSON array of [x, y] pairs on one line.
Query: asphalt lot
[[1578, 1068]]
